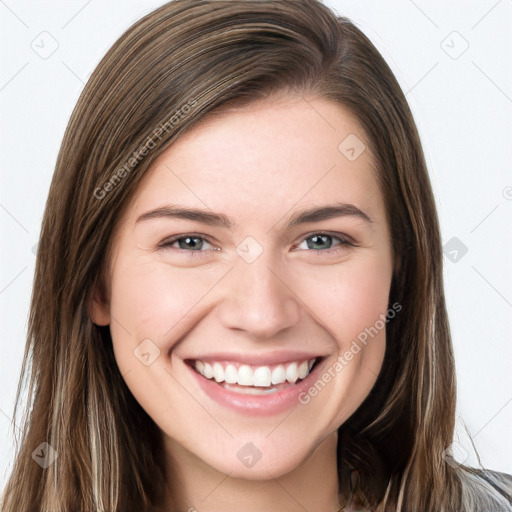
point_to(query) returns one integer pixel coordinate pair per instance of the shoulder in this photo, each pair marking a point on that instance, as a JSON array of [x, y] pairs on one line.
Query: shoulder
[[500, 481], [486, 488]]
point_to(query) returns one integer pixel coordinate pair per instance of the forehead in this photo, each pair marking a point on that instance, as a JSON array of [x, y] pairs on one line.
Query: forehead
[[262, 160]]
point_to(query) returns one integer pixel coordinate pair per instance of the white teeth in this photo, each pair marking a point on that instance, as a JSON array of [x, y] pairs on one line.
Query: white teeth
[[303, 369], [248, 390], [245, 377], [218, 372], [208, 371], [230, 375], [278, 375], [260, 377], [291, 373]]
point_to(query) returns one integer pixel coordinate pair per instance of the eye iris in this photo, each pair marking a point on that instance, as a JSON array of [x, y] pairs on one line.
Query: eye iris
[[318, 239], [182, 242]]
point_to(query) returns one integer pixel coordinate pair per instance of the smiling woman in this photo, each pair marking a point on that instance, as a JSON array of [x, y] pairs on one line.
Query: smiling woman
[[247, 333], [241, 307]]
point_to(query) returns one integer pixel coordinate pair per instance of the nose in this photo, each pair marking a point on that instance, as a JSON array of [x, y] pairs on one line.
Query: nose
[[258, 300]]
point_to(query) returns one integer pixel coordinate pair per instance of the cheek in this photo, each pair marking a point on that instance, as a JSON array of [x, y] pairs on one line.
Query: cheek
[[365, 303], [350, 298], [151, 300], [364, 299], [351, 304], [152, 309]]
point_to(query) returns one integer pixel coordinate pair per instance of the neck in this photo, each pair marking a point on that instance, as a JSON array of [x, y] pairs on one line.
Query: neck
[[197, 487]]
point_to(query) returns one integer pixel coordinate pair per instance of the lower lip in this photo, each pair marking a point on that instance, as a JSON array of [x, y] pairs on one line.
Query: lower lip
[[273, 403]]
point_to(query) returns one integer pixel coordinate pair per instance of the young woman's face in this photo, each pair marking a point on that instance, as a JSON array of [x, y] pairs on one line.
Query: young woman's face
[[256, 246]]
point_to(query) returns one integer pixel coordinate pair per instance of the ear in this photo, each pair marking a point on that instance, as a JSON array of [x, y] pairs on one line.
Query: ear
[[98, 307]]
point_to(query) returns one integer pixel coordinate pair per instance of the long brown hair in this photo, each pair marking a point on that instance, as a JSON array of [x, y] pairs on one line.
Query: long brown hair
[[179, 64]]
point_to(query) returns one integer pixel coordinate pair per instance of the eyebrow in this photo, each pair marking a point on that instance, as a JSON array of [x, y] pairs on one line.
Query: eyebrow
[[314, 214]]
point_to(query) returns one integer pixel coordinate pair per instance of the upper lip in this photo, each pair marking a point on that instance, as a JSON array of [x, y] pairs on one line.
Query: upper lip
[[260, 359]]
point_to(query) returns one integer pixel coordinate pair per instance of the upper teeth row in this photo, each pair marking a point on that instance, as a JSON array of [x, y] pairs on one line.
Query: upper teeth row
[[260, 376]]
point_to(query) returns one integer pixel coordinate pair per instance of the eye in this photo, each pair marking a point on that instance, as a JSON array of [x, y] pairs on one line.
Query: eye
[[192, 244], [323, 242]]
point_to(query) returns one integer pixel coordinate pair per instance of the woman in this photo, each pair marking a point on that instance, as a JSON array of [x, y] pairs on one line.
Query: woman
[[194, 344]]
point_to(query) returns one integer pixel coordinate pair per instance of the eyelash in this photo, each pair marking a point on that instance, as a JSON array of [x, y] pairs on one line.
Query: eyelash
[[166, 244]]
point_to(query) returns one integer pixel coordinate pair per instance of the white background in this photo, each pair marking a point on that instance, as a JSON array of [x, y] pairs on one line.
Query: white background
[[461, 99]]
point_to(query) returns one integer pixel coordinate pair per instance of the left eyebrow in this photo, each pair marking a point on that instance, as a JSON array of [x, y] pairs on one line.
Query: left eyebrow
[[314, 214]]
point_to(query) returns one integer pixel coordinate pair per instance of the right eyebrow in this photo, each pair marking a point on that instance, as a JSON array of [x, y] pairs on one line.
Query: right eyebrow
[[195, 214]]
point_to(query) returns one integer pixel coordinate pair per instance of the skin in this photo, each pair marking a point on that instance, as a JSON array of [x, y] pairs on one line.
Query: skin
[[258, 165]]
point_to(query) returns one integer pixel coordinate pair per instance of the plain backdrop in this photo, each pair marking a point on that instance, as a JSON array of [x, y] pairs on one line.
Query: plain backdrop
[[452, 60]]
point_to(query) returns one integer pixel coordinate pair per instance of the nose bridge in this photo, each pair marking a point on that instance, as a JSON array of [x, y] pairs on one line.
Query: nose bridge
[[257, 298]]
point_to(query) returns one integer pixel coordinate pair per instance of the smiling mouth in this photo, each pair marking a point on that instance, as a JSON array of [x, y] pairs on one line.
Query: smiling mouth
[[253, 379]]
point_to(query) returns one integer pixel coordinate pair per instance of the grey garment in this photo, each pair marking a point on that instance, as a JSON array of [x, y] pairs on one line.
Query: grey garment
[[501, 483]]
